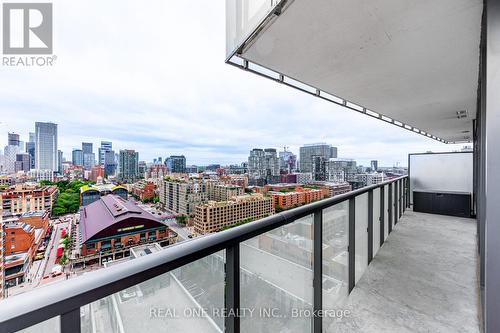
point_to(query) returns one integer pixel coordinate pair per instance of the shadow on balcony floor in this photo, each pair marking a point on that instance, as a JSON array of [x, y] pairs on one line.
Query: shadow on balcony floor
[[423, 279]]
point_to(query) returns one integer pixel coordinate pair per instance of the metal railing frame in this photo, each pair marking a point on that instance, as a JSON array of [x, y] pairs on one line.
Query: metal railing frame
[[65, 299]]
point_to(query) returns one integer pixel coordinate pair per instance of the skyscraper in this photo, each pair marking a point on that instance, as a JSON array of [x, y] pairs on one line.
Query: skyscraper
[[374, 165], [13, 139], [308, 152], [87, 147], [46, 146], [176, 163], [341, 170], [319, 168], [77, 157], [109, 163], [22, 162], [263, 166], [105, 146], [288, 160], [88, 155], [30, 149], [10, 153], [88, 160], [129, 165], [59, 161]]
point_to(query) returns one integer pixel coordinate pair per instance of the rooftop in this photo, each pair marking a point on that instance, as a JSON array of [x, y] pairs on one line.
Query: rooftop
[[106, 211], [34, 213]]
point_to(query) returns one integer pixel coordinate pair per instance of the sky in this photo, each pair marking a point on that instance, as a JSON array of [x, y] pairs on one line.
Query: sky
[[151, 76]]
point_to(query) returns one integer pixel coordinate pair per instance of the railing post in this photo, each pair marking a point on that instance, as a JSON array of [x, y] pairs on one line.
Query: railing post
[[232, 321], [382, 214], [352, 242], [318, 271], [370, 226], [389, 209], [408, 193], [70, 321], [404, 195], [395, 211], [401, 198]]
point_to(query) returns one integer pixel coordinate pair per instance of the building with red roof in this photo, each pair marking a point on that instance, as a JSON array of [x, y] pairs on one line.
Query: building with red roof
[[113, 224]]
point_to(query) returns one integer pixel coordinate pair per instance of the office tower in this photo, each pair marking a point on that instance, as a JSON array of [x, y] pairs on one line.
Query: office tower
[[87, 147], [307, 152], [263, 166], [142, 169], [13, 139], [30, 149], [77, 157], [88, 155], [176, 163], [319, 168], [288, 160], [88, 160], [129, 165], [374, 165], [105, 146], [23, 162], [109, 163], [117, 159], [46, 146], [10, 153], [341, 170], [59, 161]]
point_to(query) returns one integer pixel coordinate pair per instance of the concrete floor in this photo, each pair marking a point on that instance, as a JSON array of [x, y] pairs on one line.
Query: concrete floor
[[423, 279]]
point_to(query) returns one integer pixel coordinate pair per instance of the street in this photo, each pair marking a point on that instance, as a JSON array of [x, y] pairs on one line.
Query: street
[[182, 231]]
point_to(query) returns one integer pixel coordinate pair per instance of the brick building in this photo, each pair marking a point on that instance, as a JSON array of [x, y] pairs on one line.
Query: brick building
[[286, 196], [144, 189], [214, 216], [111, 225], [22, 198]]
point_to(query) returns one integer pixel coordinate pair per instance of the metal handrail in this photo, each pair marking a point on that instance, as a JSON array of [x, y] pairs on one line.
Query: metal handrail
[[66, 298]]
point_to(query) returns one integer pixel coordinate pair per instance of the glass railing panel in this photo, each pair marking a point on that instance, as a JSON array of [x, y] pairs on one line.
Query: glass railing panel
[[188, 299], [376, 221], [361, 236], [277, 279], [386, 211], [51, 325], [242, 18], [335, 258]]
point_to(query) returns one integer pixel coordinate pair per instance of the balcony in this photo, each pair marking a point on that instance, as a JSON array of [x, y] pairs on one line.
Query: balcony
[[428, 67], [399, 262]]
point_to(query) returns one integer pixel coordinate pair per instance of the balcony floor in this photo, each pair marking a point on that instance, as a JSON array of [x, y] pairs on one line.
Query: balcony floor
[[423, 279]]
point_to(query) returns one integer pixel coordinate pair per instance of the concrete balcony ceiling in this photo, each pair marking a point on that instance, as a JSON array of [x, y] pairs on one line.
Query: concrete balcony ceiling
[[416, 62]]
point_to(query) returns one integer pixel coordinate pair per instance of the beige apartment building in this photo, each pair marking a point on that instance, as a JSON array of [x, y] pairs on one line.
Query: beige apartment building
[[223, 192], [22, 198], [213, 216], [181, 196]]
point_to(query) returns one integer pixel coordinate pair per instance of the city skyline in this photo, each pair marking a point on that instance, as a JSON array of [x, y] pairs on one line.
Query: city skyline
[[157, 107]]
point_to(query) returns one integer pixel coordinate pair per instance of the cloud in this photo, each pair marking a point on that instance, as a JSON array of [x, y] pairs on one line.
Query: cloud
[[151, 76]]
